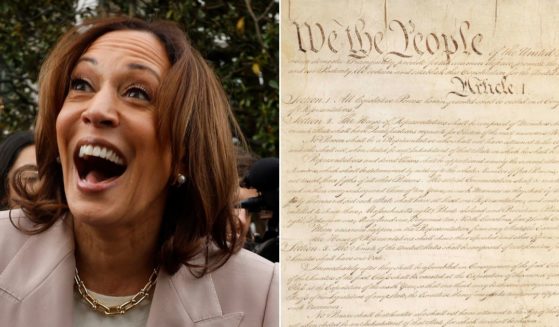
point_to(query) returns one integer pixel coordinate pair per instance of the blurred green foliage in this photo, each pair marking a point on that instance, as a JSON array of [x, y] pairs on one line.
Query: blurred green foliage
[[28, 28], [239, 38]]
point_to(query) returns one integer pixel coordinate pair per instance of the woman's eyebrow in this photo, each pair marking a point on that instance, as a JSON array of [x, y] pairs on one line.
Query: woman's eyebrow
[[146, 68], [133, 66], [88, 59]]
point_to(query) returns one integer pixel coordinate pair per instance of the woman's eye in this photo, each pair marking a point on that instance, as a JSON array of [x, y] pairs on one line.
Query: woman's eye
[[79, 84], [138, 93]]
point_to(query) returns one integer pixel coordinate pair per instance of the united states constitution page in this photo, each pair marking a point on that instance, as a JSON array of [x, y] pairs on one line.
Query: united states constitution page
[[420, 163]]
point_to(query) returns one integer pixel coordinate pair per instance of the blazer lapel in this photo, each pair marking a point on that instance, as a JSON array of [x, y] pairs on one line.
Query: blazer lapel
[[39, 280], [184, 300]]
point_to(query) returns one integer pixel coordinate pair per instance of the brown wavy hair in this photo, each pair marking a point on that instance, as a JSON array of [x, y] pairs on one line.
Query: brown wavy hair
[[194, 117]]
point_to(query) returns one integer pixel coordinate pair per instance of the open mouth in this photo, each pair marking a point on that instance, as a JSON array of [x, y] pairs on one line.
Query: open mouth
[[98, 163]]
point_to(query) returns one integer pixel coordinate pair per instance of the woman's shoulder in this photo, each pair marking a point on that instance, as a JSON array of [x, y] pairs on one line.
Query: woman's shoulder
[[249, 283], [246, 259], [16, 230], [11, 218], [13, 223], [8, 221], [14, 213], [11, 239], [246, 273], [246, 284]]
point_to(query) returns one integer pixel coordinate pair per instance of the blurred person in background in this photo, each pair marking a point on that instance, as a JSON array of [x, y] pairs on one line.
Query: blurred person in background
[[260, 200], [16, 151], [245, 159]]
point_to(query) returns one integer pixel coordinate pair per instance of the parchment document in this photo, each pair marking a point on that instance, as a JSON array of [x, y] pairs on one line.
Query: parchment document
[[420, 163]]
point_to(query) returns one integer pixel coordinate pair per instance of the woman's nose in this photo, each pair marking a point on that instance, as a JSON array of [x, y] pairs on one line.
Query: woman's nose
[[101, 110]]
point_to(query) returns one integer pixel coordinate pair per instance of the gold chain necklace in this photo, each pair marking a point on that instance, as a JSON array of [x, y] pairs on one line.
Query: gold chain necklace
[[117, 309]]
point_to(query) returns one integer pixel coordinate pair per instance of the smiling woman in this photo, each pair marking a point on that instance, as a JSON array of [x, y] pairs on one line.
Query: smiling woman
[[132, 223]]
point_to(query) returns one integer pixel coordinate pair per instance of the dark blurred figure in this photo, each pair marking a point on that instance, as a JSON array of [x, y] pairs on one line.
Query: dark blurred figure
[[16, 151], [245, 160], [263, 176]]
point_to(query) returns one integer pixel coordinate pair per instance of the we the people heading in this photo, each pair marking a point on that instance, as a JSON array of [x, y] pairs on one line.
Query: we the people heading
[[399, 38]]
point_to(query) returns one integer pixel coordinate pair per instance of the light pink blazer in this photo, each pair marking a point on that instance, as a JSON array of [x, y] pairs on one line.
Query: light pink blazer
[[37, 279]]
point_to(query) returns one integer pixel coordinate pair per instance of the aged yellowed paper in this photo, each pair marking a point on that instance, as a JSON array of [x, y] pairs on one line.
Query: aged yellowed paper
[[420, 163]]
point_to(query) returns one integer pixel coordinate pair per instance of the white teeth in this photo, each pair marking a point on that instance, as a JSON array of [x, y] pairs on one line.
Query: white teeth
[[101, 152]]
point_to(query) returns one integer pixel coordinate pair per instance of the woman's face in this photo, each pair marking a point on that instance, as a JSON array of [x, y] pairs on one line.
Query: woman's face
[[115, 169]]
